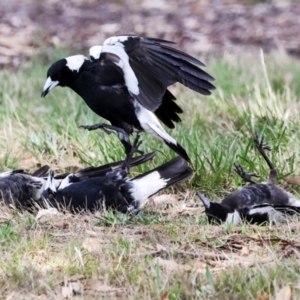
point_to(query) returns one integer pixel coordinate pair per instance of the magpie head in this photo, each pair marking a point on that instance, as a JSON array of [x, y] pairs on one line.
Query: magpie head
[[63, 72], [215, 212]]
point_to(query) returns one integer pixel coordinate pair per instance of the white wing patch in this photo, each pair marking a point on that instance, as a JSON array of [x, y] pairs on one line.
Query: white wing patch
[[114, 46], [146, 186], [75, 62], [5, 174], [151, 125], [233, 218], [95, 52]]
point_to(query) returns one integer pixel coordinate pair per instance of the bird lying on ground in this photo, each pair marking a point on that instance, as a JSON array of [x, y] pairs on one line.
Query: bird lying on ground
[[115, 190], [256, 203], [19, 189], [126, 83], [23, 190]]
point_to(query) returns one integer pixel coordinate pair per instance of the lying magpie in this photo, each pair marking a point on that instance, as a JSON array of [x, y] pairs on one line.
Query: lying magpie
[[18, 188], [115, 190], [126, 83], [256, 203], [23, 190]]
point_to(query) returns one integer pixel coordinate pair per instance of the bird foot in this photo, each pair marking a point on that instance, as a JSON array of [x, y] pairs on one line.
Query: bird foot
[[105, 127], [238, 169], [259, 143]]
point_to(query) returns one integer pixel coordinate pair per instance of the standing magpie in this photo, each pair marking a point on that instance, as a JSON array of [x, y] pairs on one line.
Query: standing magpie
[[256, 203], [115, 190], [126, 83]]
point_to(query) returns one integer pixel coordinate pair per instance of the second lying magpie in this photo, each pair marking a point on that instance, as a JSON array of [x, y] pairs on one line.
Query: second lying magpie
[[115, 190], [257, 203], [23, 190], [126, 83]]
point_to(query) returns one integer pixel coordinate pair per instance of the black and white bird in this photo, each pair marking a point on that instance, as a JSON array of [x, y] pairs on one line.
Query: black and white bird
[[115, 190], [256, 203], [126, 83], [23, 190], [19, 189]]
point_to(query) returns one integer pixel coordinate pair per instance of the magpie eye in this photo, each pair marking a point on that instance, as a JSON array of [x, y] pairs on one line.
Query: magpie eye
[[56, 76]]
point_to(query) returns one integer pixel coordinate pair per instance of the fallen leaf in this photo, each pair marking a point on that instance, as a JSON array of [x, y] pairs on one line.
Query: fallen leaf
[[66, 292], [47, 212], [160, 247], [93, 244], [105, 289], [284, 293], [165, 296], [263, 297], [292, 180], [170, 265], [244, 251], [164, 199]]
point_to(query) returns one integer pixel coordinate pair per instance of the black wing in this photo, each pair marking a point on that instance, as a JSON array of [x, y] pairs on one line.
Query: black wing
[[155, 66]]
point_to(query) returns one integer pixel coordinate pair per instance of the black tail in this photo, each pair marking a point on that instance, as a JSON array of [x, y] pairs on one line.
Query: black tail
[[179, 150], [41, 172], [103, 170]]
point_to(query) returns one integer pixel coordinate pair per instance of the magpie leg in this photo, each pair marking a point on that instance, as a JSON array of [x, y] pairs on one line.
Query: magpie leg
[[105, 127], [261, 147], [129, 154], [238, 169], [119, 132]]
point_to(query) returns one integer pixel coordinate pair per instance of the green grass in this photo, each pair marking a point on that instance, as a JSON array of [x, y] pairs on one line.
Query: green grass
[[41, 258]]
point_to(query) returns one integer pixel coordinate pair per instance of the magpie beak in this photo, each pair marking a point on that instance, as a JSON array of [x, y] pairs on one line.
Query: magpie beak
[[49, 85]]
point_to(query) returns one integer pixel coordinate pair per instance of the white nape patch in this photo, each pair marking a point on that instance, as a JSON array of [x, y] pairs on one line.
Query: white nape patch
[[75, 62], [95, 52], [114, 39], [65, 182], [146, 186], [233, 218], [150, 124], [39, 191], [50, 184], [6, 174], [117, 48], [293, 201]]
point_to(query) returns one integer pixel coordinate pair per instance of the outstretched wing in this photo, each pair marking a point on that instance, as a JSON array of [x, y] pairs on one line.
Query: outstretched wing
[[150, 65]]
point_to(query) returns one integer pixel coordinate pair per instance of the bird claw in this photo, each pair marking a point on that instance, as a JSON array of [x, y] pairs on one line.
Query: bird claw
[[259, 142], [105, 127], [238, 169]]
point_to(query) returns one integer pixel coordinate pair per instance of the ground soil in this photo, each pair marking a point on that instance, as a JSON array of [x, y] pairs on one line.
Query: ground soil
[[29, 27]]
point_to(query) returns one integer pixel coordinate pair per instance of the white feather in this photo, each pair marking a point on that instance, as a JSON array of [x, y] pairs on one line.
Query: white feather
[[65, 182], [75, 62], [233, 218], [95, 51], [5, 174], [117, 48], [273, 215], [150, 124], [144, 187], [293, 201]]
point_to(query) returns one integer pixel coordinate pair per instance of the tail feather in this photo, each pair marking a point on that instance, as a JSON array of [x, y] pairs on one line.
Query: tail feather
[[41, 172], [140, 188], [178, 149], [103, 170]]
